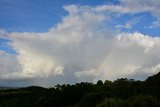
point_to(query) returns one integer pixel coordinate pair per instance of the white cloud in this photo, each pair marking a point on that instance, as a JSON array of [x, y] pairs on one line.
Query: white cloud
[[134, 56], [155, 24], [129, 24], [130, 6], [72, 45], [133, 7], [81, 48], [9, 65]]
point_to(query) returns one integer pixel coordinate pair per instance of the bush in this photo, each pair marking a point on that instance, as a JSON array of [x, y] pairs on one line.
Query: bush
[[139, 101]]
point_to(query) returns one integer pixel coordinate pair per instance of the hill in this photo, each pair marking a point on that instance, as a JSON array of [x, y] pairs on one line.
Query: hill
[[120, 93], [5, 87]]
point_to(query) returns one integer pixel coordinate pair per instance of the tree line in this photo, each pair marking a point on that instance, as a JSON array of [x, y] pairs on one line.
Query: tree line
[[119, 93]]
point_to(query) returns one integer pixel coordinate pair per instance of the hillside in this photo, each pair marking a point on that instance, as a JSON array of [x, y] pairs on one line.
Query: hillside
[[120, 93]]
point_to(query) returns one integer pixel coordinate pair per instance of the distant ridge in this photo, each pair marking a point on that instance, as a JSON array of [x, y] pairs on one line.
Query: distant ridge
[[7, 87], [119, 93]]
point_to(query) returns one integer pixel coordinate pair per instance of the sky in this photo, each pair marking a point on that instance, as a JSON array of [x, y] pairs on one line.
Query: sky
[[48, 42]]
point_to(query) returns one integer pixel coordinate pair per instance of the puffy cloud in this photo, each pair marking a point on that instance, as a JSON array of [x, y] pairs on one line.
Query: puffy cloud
[[9, 65], [81, 48], [134, 56], [73, 45]]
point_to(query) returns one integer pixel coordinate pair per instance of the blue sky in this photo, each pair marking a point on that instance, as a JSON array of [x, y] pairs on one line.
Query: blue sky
[[45, 41], [37, 15], [40, 16]]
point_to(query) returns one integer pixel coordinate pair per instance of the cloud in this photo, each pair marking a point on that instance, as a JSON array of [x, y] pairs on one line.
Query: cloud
[[134, 56], [80, 48], [72, 45], [9, 65], [130, 6], [129, 24], [134, 7]]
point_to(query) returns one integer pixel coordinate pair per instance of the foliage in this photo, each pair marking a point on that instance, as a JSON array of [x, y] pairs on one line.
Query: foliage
[[120, 93], [138, 101]]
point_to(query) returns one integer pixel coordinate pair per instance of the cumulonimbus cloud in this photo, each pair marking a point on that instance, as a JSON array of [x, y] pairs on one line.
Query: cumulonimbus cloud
[[81, 48]]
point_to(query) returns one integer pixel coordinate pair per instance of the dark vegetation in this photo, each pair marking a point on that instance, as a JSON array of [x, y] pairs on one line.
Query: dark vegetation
[[120, 93]]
